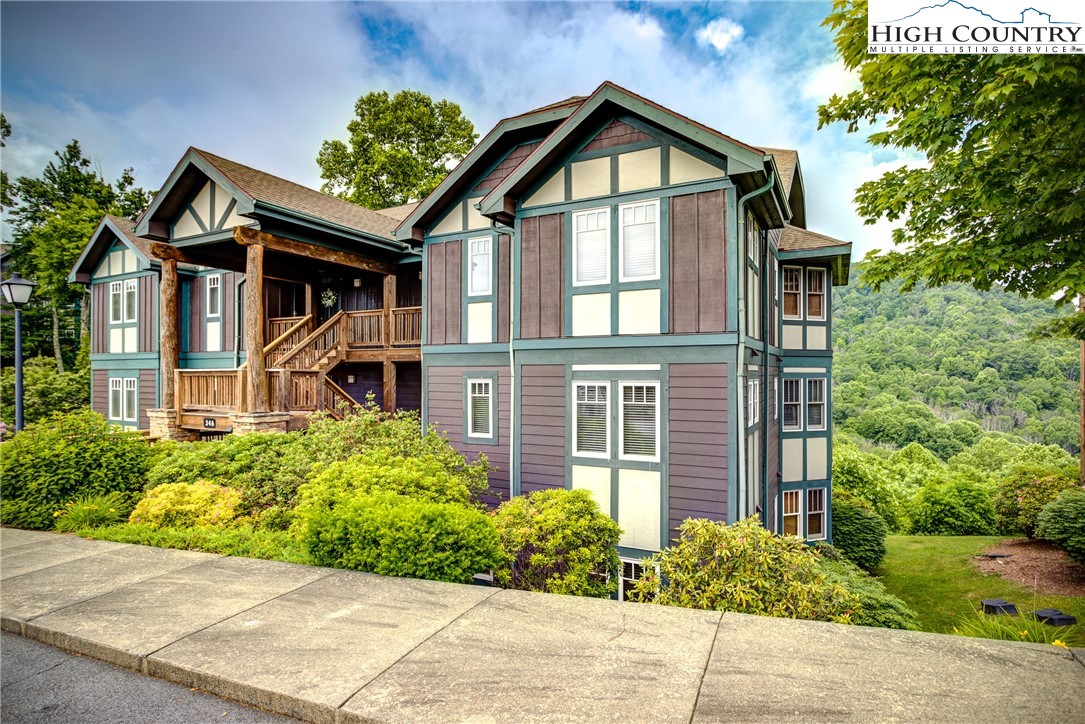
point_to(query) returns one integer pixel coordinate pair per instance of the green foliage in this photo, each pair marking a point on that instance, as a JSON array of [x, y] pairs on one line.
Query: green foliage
[[242, 540], [557, 541], [867, 477], [899, 424], [45, 391], [379, 470], [877, 607], [743, 568], [52, 461], [1022, 627], [1024, 492], [960, 506], [93, 510], [1062, 521], [181, 505], [400, 149], [393, 535], [858, 532]]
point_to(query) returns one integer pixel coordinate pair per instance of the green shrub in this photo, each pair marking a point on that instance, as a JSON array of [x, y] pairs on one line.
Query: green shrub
[[45, 391], [52, 461], [742, 568], [1062, 521], [1023, 494], [242, 540], [877, 607], [180, 505], [92, 511], [961, 506], [381, 470], [1023, 627], [867, 477], [557, 541], [396, 536], [858, 532]]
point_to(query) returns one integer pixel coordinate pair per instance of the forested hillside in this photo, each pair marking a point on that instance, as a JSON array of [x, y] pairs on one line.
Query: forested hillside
[[942, 366]]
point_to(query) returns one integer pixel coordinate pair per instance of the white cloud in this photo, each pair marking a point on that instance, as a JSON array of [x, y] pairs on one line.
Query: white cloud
[[719, 34], [828, 80]]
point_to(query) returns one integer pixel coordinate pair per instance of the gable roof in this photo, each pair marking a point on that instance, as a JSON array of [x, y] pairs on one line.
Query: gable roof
[[798, 243], [787, 161], [109, 228], [399, 213]]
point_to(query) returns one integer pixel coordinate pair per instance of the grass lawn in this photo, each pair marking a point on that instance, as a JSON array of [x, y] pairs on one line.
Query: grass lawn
[[935, 576]]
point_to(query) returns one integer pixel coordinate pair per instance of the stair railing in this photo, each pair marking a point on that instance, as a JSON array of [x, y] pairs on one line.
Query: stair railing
[[315, 347]]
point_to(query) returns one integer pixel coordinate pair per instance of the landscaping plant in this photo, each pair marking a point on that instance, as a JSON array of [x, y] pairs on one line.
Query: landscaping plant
[[877, 607], [557, 541], [1062, 521], [858, 532], [382, 470], [183, 505], [1023, 494], [1023, 627], [241, 540], [92, 511], [960, 506]]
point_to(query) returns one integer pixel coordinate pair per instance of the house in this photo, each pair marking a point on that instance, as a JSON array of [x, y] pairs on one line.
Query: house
[[603, 295]]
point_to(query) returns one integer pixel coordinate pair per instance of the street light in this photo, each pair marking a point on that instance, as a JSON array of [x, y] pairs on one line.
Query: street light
[[17, 293]]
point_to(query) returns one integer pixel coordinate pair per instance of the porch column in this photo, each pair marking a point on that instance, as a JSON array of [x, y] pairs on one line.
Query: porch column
[[389, 386], [254, 327], [168, 333], [389, 338]]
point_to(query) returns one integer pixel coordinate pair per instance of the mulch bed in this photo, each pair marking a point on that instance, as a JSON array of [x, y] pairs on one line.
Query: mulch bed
[[1035, 564]]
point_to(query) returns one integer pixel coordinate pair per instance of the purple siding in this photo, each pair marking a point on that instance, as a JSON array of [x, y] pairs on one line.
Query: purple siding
[[99, 319], [542, 427], [697, 428], [503, 169], [195, 291], [772, 446], [698, 263], [443, 265], [542, 264], [616, 134], [99, 392], [503, 282], [148, 317], [148, 396]]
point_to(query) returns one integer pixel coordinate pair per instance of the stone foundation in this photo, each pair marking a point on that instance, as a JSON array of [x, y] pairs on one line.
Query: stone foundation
[[163, 425], [246, 422]]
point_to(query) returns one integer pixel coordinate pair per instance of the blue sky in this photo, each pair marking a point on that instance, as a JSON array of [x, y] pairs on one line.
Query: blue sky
[[264, 83]]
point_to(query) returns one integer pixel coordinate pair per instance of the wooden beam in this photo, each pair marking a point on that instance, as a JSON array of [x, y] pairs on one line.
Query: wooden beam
[[389, 303], [389, 386], [253, 237], [168, 332], [162, 250], [254, 328]]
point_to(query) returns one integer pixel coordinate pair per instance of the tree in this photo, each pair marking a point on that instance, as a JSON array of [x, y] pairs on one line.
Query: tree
[[6, 198], [400, 148]]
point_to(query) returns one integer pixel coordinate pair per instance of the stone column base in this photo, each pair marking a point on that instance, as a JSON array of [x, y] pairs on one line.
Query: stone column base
[[246, 422], [163, 425]]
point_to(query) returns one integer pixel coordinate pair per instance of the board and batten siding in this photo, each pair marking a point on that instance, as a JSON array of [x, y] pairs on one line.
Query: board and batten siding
[[99, 392], [148, 396], [542, 427], [503, 283], [99, 306], [698, 263], [697, 429], [148, 317], [445, 406], [444, 266], [542, 275]]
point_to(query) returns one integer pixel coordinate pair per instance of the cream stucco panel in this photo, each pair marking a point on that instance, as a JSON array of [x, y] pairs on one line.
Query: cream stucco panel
[[638, 312], [591, 178], [815, 337], [452, 222], [639, 493], [792, 454], [214, 337], [475, 220], [480, 323], [792, 336], [686, 168], [131, 264], [202, 205], [591, 315], [551, 192], [116, 340], [596, 481], [185, 225], [817, 458], [131, 339], [639, 170]]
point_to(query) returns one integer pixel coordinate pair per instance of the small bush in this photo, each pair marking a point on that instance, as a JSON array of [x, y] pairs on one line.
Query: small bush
[[1062, 521], [877, 607], [858, 532], [92, 511], [242, 540], [52, 461], [1023, 494], [181, 505], [381, 470], [557, 541], [396, 536], [743, 568], [961, 506], [1017, 628], [45, 391]]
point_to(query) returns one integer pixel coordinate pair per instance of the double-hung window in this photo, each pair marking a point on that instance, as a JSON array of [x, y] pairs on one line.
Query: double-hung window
[[591, 419], [131, 300], [638, 240], [792, 292], [214, 295], [116, 399], [116, 302], [753, 411], [591, 247], [123, 399], [792, 405], [639, 422], [815, 294], [480, 261], [815, 404], [815, 514], [480, 408], [131, 399], [792, 512]]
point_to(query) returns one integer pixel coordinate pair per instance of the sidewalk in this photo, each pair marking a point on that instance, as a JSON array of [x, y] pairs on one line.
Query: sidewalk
[[338, 646]]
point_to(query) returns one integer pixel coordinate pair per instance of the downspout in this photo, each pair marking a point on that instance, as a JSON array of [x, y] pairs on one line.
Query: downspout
[[512, 352], [238, 319], [766, 303], [743, 426]]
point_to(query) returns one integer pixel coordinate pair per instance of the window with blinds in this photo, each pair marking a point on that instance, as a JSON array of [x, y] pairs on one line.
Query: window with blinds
[[792, 292], [640, 422], [792, 405], [815, 404], [479, 408], [481, 265], [792, 512], [815, 294], [131, 399], [815, 514], [591, 247], [639, 241], [591, 419]]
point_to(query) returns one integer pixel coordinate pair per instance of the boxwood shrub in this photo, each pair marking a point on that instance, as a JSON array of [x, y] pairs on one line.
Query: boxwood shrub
[[858, 532], [183, 505], [1062, 521]]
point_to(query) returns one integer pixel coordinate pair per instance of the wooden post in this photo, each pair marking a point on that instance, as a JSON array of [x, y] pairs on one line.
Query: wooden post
[[389, 386], [168, 332], [286, 387], [254, 327], [389, 303]]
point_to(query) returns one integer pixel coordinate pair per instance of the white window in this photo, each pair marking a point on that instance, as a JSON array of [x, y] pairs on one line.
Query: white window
[[638, 239], [792, 292], [640, 421], [753, 238], [116, 399], [131, 300], [480, 408], [632, 571], [591, 247], [792, 512], [116, 302], [480, 262], [776, 279], [815, 514], [776, 398], [792, 405], [815, 294], [131, 399], [214, 295], [753, 404], [591, 419], [815, 404]]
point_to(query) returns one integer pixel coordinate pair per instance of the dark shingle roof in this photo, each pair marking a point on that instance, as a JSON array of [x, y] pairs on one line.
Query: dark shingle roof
[[399, 213], [795, 239], [128, 228], [786, 160]]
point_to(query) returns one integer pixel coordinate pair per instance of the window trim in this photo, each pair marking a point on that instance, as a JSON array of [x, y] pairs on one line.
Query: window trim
[[802, 410], [621, 243], [753, 402], [594, 383], [806, 406], [606, 211], [469, 432], [116, 289], [806, 514], [634, 562], [131, 384], [116, 384], [784, 515], [807, 293], [471, 291], [621, 420], [208, 314], [130, 285], [802, 297]]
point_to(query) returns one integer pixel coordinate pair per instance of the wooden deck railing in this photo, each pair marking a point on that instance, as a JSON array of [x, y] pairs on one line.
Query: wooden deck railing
[[287, 340], [209, 390], [369, 329], [278, 326], [314, 347], [407, 327]]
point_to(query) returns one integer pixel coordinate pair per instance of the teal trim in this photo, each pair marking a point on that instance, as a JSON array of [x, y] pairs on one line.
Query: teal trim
[[122, 277], [211, 237], [225, 214], [631, 341], [734, 428], [469, 357], [693, 187], [665, 165], [842, 250], [605, 375], [424, 412], [495, 406], [642, 355], [465, 349], [196, 217], [320, 224], [425, 301], [614, 151], [95, 239], [140, 361], [207, 361], [733, 248]]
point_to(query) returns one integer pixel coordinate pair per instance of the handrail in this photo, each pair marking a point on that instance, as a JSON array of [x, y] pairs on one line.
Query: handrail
[[338, 394], [282, 338], [320, 332]]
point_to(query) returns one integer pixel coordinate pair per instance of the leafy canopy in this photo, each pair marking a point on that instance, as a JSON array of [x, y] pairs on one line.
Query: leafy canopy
[[400, 148], [999, 200]]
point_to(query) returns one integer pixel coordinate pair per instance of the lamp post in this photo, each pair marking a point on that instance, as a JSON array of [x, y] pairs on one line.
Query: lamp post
[[17, 293]]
